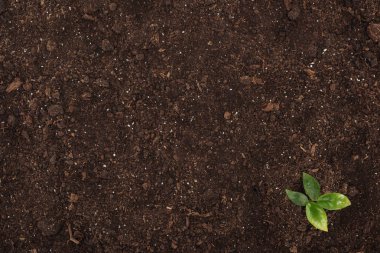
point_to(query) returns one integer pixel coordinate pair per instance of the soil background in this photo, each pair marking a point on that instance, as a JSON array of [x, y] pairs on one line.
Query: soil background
[[175, 126]]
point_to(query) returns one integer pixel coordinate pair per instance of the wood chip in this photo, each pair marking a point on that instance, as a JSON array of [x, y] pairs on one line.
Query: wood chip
[[271, 107], [51, 45], [246, 80], [155, 39], [14, 85], [293, 249], [86, 96], [300, 98], [89, 17], [174, 244], [313, 149], [333, 86], [257, 81], [310, 73]]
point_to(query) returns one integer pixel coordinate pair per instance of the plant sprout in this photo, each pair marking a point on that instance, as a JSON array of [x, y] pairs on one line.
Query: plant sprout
[[316, 205]]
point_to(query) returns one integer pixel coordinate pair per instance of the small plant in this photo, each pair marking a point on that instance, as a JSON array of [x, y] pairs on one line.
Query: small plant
[[315, 206]]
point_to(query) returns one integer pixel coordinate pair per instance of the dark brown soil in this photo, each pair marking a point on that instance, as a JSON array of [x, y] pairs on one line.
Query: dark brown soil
[[176, 125]]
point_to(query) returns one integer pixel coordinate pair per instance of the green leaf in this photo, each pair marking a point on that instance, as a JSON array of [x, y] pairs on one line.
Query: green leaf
[[297, 198], [333, 201], [311, 186], [316, 216]]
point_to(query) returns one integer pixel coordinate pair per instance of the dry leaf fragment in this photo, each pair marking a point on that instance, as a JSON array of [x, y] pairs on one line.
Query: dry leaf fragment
[[14, 85]]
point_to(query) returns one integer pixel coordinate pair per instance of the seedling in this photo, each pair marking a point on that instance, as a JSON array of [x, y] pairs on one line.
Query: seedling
[[316, 205]]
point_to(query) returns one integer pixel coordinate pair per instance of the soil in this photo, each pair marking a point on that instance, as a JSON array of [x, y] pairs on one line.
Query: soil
[[175, 126]]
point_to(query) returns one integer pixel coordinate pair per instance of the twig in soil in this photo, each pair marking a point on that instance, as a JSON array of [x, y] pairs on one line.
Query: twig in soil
[[269, 222], [71, 238], [194, 213], [303, 149]]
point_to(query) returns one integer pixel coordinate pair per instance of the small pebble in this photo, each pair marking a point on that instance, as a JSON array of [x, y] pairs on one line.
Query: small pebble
[[25, 135], [227, 115], [294, 13], [27, 86], [117, 28], [113, 6], [51, 46], [106, 45], [85, 79], [145, 186], [11, 120], [60, 124], [140, 57]]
